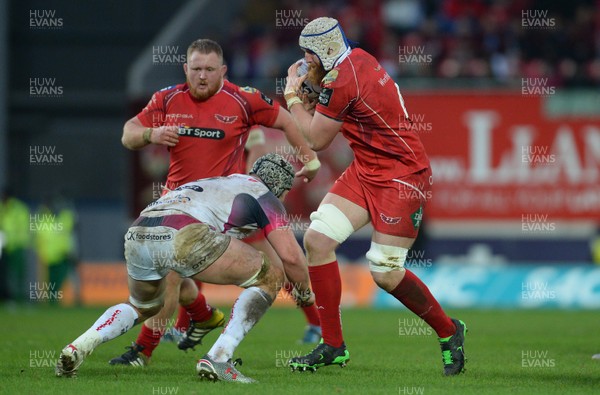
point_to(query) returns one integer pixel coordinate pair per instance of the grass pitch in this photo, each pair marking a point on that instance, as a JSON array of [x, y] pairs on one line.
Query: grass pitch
[[509, 352]]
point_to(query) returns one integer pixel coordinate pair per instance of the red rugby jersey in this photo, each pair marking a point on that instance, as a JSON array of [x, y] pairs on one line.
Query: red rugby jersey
[[361, 93], [212, 133]]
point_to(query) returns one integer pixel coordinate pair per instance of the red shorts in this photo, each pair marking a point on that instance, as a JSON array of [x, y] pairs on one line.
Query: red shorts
[[395, 206]]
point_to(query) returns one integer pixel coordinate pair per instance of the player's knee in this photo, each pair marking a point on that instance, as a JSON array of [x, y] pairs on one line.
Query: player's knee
[[313, 243], [319, 249], [388, 281], [188, 292], [330, 221], [146, 309], [274, 280], [268, 277], [262, 274], [383, 260], [173, 280]]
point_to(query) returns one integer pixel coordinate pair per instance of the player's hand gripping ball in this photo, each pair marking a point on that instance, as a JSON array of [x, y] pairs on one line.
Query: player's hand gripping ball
[[311, 91]]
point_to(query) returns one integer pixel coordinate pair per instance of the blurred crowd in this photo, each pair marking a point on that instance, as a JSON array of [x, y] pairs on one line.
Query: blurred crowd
[[50, 233], [500, 40]]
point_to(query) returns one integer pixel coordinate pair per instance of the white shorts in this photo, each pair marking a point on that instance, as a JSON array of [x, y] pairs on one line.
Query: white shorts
[[167, 240]]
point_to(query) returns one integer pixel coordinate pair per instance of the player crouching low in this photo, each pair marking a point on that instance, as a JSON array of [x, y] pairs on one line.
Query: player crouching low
[[198, 226]]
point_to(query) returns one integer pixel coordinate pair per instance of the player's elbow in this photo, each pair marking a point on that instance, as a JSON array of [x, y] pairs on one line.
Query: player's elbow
[[127, 141], [318, 145]]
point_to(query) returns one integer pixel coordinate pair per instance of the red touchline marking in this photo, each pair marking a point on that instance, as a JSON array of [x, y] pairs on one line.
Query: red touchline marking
[[109, 321]]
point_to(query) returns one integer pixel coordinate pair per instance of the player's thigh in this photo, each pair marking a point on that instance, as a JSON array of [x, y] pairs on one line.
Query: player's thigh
[[390, 240], [235, 266], [357, 215], [397, 206], [332, 223]]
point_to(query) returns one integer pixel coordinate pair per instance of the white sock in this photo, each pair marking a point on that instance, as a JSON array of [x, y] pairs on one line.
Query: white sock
[[247, 310], [114, 322]]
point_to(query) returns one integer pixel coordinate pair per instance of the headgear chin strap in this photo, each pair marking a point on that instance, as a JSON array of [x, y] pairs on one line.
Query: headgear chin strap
[[276, 172], [325, 37]]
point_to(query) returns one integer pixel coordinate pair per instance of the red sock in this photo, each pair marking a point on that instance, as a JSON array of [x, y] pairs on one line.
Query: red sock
[[327, 286], [198, 310], [310, 312], [149, 338], [183, 320], [312, 315], [415, 295]]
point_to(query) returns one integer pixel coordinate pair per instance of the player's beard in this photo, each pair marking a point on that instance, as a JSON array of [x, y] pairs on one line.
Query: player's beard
[[316, 73], [205, 94]]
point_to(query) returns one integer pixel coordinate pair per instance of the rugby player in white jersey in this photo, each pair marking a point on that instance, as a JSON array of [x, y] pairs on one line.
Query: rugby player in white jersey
[[199, 226]]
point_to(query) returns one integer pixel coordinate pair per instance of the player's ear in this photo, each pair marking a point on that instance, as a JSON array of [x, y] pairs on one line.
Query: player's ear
[[223, 70], [185, 68]]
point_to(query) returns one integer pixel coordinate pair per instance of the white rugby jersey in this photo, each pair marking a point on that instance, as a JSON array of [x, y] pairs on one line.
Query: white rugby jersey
[[236, 205]]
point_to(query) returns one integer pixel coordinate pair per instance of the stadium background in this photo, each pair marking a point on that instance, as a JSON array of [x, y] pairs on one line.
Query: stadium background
[[505, 95]]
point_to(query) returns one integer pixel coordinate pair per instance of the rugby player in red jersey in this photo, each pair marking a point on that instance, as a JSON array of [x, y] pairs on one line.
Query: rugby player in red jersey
[[387, 185], [205, 125]]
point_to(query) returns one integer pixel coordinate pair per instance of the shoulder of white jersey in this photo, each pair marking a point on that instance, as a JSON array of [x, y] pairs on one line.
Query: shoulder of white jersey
[[253, 185], [245, 178]]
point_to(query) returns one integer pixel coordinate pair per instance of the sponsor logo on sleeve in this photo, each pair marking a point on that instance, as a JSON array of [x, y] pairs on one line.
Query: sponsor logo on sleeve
[[178, 199], [193, 187], [325, 96], [266, 98], [330, 77]]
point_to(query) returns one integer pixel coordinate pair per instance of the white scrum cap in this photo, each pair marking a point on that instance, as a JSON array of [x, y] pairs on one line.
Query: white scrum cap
[[324, 36]]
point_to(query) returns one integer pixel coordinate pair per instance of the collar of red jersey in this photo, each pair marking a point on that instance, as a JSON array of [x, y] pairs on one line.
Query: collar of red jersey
[[221, 87], [342, 57]]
